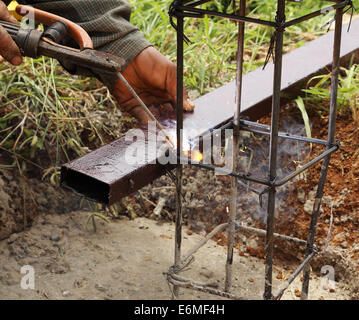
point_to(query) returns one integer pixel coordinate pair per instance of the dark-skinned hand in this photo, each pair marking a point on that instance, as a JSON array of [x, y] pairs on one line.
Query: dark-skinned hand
[[154, 78]]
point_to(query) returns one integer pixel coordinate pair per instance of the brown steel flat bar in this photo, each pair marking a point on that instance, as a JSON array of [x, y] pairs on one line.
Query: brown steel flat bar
[[104, 176]]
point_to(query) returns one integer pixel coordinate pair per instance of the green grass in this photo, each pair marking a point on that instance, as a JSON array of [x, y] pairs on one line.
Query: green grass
[[48, 117], [318, 91]]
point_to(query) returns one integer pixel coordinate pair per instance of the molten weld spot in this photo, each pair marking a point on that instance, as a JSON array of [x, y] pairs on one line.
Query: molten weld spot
[[194, 155]]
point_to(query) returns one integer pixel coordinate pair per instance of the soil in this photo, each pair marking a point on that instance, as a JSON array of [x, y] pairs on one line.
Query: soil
[[125, 259], [22, 199], [115, 262]]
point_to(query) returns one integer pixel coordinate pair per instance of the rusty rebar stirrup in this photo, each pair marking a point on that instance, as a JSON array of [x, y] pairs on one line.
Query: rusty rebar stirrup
[[331, 21]]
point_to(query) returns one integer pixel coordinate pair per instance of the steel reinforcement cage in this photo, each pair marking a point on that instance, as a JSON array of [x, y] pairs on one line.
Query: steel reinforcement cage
[[181, 9]]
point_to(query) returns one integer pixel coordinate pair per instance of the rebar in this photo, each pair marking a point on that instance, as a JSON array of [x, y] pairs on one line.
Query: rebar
[[179, 129], [331, 137], [280, 18], [179, 281], [247, 126], [234, 184], [293, 276]]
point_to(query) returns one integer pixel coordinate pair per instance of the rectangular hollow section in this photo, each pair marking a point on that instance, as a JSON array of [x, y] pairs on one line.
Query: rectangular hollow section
[[83, 184]]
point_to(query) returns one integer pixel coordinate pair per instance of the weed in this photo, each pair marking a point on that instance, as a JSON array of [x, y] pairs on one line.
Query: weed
[[348, 91], [92, 217]]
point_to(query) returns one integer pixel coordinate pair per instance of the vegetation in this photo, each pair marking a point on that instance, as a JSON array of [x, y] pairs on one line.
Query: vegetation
[[348, 92]]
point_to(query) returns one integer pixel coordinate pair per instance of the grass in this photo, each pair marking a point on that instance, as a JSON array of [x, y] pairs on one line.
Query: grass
[[48, 117], [348, 92]]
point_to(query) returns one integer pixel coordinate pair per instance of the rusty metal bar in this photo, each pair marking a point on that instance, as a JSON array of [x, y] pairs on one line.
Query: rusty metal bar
[[264, 232], [234, 184], [190, 9], [224, 171], [269, 245], [331, 138], [339, 5], [179, 135], [247, 126], [306, 166], [183, 282], [294, 275]]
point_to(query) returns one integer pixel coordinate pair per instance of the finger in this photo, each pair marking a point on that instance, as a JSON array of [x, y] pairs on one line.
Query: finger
[[11, 19], [166, 110], [8, 48], [140, 114], [171, 87], [5, 14], [188, 105], [158, 72], [1, 59]]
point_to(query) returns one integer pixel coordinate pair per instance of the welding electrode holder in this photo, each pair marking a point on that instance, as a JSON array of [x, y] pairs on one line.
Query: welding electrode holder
[[28, 40], [83, 60]]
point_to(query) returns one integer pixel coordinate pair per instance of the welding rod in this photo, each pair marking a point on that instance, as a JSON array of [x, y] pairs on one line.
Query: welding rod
[[142, 104]]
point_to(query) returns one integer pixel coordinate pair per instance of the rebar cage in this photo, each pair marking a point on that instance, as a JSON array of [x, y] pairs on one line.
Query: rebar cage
[[181, 9]]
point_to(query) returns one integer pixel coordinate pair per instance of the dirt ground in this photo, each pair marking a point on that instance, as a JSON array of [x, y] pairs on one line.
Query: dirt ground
[[126, 258]]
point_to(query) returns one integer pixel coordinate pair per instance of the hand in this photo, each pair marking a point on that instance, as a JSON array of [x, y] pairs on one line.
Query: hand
[[154, 78], [8, 49]]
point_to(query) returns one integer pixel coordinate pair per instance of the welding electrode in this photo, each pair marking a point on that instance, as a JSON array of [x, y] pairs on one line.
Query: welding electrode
[[145, 108]]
